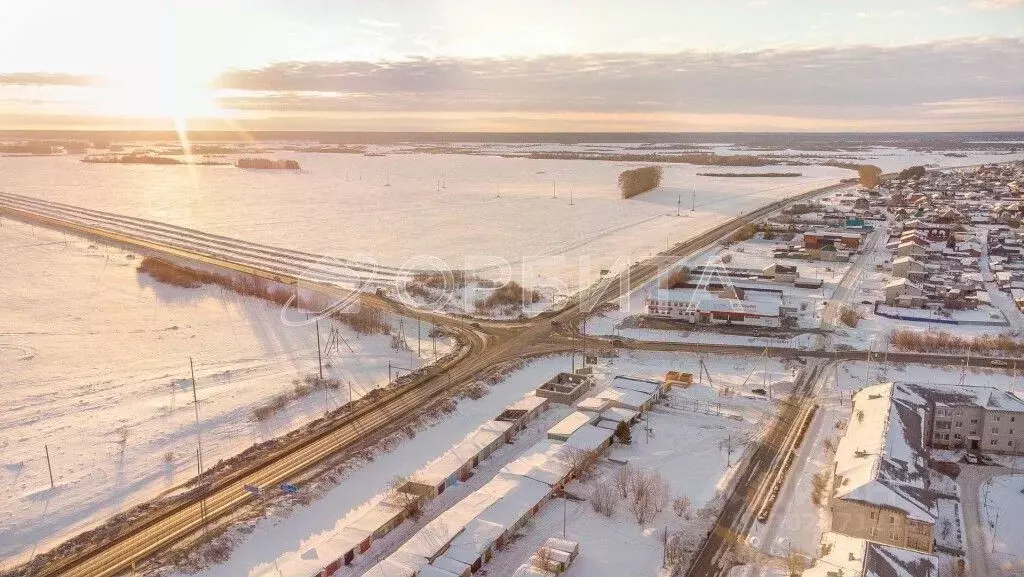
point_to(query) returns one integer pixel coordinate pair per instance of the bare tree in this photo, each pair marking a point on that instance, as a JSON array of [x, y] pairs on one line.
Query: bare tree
[[682, 506], [581, 461], [603, 498], [796, 562], [661, 491], [624, 480], [675, 548], [642, 504], [400, 495]]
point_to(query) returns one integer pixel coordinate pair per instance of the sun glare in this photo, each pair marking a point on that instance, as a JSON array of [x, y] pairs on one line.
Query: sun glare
[[159, 94]]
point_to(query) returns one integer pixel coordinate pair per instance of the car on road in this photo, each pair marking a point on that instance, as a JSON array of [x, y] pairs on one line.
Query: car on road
[[866, 302], [998, 363], [971, 458]]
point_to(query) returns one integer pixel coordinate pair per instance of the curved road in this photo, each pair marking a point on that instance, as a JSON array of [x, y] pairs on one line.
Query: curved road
[[485, 345]]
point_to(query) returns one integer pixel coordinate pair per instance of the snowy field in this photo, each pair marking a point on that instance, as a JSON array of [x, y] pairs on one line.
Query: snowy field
[[1002, 500], [392, 209], [689, 447], [95, 361]]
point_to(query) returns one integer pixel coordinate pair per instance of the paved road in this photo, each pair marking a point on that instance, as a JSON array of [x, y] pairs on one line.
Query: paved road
[[485, 345], [972, 478], [769, 464], [1000, 299]]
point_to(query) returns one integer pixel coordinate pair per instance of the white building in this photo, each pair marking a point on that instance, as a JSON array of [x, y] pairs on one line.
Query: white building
[[706, 308]]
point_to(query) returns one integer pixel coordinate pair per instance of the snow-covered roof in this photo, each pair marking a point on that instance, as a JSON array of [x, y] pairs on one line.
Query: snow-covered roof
[[450, 565], [528, 403], [571, 423], [389, 568], [881, 457], [854, 556], [906, 259], [523, 495], [619, 414], [378, 516], [588, 438], [435, 571], [477, 537], [989, 398], [648, 386], [593, 404], [544, 462], [634, 399], [455, 458]]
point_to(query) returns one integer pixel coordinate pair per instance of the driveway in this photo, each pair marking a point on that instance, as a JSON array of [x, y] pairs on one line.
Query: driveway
[[970, 481]]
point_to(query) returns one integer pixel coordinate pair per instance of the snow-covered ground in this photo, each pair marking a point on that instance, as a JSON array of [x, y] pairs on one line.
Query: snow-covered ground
[[692, 446], [95, 362], [392, 209], [1002, 500]]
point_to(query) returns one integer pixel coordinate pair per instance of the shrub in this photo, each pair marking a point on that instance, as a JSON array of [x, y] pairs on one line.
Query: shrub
[[682, 507], [623, 434], [639, 180], [819, 483], [849, 317], [676, 278], [511, 294], [171, 274], [942, 341], [745, 232], [726, 258], [603, 499], [365, 320]]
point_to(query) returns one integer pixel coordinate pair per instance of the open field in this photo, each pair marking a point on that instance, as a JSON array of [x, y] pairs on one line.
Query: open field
[[96, 366], [342, 205]]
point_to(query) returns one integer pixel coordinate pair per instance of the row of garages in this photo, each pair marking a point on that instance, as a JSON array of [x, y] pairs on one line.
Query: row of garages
[[454, 466], [462, 539]]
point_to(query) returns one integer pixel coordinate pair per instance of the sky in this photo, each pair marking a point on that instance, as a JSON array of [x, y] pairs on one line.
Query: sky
[[523, 65]]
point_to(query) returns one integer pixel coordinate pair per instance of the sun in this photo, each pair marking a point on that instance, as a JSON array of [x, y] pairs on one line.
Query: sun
[[159, 94]]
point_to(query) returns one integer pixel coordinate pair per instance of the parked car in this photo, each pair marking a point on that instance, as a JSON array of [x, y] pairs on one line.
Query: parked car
[[998, 363]]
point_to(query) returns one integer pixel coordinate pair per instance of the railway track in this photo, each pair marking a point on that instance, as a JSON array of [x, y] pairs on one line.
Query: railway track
[[486, 344]]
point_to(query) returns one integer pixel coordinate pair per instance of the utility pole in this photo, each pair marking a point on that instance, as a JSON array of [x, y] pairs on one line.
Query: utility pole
[[564, 499], [199, 444], [584, 348], [664, 547], [319, 358], [49, 467], [679, 204], [728, 450], [389, 372], [570, 197], [694, 207], [553, 189], [419, 330], [195, 401]]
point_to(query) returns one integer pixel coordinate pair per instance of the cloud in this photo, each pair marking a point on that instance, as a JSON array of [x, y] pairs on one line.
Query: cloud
[[46, 79], [995, 4], [378, 23], [840, 81]]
